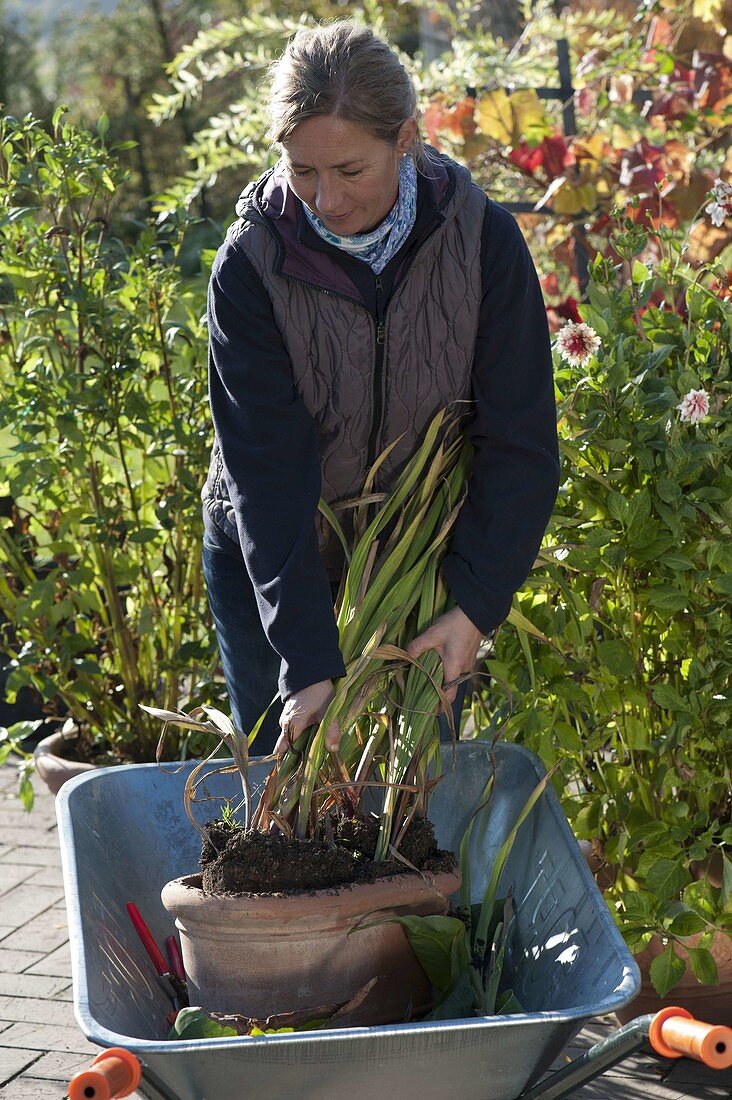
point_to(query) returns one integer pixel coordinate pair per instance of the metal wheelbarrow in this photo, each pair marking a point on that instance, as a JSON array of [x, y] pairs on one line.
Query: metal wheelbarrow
[[124, 835]]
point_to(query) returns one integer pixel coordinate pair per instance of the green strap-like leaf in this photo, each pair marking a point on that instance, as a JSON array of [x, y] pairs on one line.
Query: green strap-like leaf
[[480, 940]]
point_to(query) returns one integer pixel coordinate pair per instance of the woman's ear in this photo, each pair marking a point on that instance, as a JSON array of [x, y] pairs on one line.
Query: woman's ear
[[407, 136]]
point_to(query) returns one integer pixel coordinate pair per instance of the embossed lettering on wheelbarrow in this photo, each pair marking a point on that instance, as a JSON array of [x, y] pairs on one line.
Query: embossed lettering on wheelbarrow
[[124, 834]]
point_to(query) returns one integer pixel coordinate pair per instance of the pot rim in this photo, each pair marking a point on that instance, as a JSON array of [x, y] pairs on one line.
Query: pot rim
[[53, 769], [50, 745], [402, 893]]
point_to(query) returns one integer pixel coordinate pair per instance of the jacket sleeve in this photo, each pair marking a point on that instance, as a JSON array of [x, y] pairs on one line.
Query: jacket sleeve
[[272, 470], [515, 476]]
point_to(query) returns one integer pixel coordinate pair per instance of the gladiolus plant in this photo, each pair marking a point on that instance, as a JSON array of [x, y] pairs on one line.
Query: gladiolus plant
[[387, 704]]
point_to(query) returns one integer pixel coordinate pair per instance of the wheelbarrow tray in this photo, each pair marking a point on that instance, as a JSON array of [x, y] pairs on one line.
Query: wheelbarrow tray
[[124, 834]]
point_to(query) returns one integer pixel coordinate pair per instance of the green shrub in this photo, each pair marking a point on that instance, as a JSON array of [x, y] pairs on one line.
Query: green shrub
[[104, 438], [630, 689]]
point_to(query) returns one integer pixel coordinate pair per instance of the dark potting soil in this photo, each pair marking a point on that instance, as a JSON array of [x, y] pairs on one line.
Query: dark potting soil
[[80, 749], [82, 746], [239, 862]]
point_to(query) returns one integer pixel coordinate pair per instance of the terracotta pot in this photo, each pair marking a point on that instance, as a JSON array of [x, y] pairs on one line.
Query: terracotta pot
[[53, 768], [711, 1003], [263, 954]]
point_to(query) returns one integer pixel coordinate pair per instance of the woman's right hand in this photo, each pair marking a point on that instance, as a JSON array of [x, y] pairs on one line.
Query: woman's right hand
[[306, 708]]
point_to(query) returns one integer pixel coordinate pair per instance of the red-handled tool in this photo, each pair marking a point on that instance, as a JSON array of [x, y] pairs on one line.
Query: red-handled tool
[[172, 970], [174, 957]]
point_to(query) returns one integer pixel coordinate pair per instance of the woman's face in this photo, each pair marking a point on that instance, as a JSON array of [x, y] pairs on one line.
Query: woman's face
[[343, 173]]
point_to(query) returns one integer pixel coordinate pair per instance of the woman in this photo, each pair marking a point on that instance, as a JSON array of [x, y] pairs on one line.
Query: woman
[[366, 284]]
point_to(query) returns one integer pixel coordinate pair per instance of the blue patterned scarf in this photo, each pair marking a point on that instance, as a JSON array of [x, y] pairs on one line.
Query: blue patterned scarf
[[377, 247]]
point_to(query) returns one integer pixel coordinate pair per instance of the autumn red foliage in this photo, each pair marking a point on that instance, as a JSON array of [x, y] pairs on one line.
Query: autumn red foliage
[[652, 128]]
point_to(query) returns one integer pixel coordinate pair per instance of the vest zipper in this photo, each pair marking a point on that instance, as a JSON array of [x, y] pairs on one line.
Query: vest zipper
[[378, 403], [378, 390], [330, 293]]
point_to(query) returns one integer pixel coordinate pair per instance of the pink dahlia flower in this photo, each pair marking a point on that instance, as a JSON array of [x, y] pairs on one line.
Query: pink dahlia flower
[[694, 407]]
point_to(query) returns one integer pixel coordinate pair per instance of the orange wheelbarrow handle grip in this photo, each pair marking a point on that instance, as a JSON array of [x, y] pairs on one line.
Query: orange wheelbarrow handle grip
[[674, 1033], [114, 1072]]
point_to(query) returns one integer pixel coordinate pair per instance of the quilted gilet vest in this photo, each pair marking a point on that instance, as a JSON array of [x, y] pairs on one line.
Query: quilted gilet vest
[[367, 380]]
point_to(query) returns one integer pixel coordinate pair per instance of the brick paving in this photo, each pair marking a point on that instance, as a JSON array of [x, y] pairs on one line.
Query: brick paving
[[40, 1044]]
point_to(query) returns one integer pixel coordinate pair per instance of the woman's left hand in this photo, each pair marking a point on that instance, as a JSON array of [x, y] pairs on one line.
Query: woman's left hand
[[456, 640]]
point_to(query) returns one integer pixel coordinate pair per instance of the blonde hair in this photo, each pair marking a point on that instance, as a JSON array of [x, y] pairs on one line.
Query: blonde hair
[[343, 69]]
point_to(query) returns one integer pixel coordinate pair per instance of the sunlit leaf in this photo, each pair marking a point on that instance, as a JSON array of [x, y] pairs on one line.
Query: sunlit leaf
[[666, 879], [494, 116], [666, 970]]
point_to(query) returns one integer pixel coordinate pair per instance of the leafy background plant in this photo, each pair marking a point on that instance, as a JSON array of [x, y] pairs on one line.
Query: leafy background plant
[[104, 426], [629, 687]]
